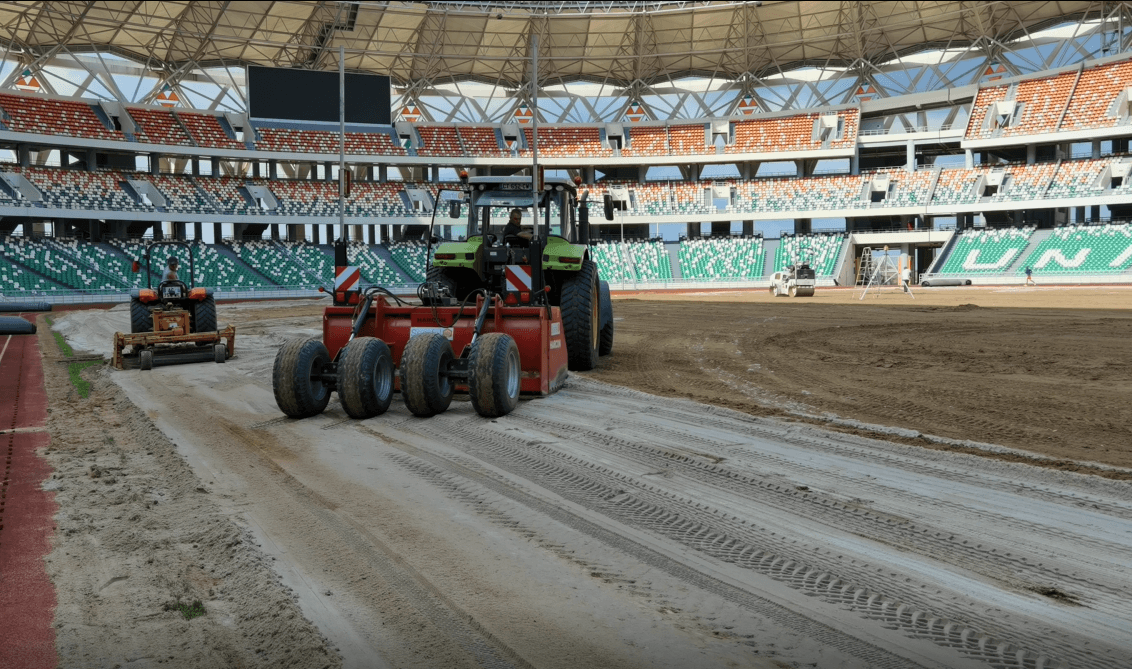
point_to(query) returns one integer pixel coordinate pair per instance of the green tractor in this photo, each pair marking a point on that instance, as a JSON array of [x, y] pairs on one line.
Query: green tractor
[[548, 262]]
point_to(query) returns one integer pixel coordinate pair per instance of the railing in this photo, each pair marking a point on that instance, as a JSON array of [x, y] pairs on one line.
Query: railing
[[902, 130]]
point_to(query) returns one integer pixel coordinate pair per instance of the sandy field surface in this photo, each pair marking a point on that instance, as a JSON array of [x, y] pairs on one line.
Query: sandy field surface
[[745, 482]]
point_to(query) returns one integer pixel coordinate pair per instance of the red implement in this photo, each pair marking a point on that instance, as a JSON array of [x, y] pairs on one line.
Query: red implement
[[537, 332]]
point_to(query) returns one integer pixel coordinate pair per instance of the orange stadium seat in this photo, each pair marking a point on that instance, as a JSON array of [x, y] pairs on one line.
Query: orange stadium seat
[[205, 129], [159, 126], [36, 114]]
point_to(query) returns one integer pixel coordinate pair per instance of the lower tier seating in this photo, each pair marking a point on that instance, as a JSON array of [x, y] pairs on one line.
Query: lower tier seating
[[710, 258], [1100, 249], [819, 250], [986, 251]]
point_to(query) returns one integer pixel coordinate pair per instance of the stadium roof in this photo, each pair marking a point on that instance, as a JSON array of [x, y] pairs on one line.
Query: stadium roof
[[618, 43]]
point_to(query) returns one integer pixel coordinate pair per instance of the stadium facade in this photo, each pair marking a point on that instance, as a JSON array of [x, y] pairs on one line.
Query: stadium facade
[[977, 139]]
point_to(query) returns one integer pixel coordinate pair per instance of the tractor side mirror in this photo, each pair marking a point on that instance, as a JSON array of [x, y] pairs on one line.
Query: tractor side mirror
[[135, 267], [607, 201], [454, 209], [434, 240]]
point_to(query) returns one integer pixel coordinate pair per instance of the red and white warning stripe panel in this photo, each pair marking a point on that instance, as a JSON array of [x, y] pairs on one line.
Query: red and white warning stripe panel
[[346, 278], [518, 277]]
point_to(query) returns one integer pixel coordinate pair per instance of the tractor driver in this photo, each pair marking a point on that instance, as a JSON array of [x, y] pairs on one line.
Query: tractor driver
[[171, 273], [514, 227]]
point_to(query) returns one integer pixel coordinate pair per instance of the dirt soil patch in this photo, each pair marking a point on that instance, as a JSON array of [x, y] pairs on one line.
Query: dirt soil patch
[[148, 569], [1045, 370]]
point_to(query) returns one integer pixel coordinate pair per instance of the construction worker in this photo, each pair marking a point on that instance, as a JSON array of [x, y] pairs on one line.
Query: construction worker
[[1030, 276], [906, 277], [171, 273]]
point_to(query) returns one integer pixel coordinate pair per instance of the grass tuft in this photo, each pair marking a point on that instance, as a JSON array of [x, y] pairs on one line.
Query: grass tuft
[[63, 345], [81, 384], [189, 611]]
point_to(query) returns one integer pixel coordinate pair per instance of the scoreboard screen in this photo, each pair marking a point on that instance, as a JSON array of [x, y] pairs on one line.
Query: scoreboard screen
[[312, 95]]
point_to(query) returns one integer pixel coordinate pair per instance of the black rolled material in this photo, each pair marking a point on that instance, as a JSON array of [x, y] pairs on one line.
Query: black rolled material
[[10, 325]]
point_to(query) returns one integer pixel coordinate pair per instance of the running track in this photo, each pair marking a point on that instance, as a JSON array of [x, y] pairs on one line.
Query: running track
[[27, 597]]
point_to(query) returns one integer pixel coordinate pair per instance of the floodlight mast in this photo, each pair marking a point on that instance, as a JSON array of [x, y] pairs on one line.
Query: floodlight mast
[[534, 135], [342, 140]]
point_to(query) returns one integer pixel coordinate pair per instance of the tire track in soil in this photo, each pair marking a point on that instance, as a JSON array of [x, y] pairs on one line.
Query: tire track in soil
[[581, 484]]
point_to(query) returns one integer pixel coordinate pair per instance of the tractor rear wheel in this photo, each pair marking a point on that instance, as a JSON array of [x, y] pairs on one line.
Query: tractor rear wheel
[[605, 346], [494, 374], [204, 317], [145, 360], [297, 378], [141, 320], [425, 385], [365, 378], [581, 317]]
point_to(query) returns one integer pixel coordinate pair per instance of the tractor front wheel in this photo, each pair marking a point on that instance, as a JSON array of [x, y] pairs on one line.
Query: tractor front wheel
[[494, 373], [581, 317], [219, 353], [365, 378], [424, 375], [145, 360], [297, 378]]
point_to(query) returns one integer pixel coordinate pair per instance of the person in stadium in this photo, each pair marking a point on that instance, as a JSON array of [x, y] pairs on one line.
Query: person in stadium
[[171, 272], [514, 226], [1030, 276], [906, 277]]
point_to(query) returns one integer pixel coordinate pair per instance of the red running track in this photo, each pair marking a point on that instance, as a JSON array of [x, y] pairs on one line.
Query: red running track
[[27, 596]]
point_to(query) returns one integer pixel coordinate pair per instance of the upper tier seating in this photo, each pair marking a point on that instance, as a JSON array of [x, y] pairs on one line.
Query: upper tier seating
[[1100, 249], [979, 109], [373, 267], [207, 131], [375, 199], [158, 126], [36, 114], [1042, 101], [986, 251], [566, 143], [303, 197], [646, 141], [479, 141], [689, 140], [821, 251], [711, 258], [790, 133], [910, 189], [1096, 93], [410, 256], [439, 140]]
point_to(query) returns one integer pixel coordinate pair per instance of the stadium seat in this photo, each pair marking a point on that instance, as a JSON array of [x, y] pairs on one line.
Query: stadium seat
[[721, 258]]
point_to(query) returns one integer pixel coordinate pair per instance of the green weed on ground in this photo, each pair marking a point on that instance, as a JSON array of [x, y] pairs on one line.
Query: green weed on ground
[[81, 384], [189, 611], [63, 345]]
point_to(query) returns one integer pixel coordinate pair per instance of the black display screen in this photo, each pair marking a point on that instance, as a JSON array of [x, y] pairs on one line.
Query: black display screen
[[310, 95]]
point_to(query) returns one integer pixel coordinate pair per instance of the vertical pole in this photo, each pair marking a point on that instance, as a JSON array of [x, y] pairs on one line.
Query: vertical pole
[[534, 133], [342, 140]]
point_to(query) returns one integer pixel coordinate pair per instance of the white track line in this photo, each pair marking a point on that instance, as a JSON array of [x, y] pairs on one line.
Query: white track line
[[5, 349]]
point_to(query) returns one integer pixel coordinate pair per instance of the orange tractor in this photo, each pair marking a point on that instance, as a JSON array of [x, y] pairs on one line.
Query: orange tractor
[[172, 324], [503, 337]]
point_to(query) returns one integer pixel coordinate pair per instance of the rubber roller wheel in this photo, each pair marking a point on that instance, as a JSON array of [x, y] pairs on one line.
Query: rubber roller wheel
[[494, 374], [425, 385], [220, 353], [145, 360], [365, 378], [296, 378]]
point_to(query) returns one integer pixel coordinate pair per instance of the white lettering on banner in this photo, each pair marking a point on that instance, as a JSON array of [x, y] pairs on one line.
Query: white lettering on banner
[[972, 262], [1052, 255]]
